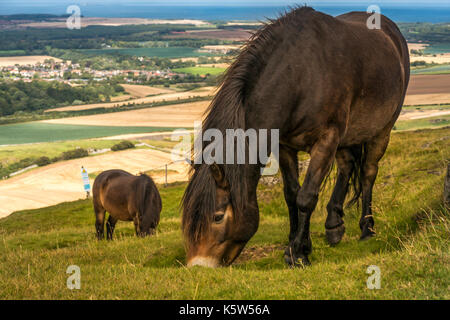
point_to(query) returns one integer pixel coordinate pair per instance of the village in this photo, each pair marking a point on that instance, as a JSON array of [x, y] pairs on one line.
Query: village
[[67, 72]]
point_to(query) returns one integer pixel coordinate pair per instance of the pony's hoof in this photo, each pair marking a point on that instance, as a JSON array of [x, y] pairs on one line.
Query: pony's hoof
[[367, 233], [334, 236], [296, 261]]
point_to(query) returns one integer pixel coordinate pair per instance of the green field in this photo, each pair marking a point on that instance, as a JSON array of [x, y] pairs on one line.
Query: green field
[[170, 52], [33, 132], [434, 122], [437, 48], [201, 70], [411, 248], [439, 69], [15, 153]]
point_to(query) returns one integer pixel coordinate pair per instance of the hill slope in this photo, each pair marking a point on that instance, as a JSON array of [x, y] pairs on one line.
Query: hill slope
[[411, 247]]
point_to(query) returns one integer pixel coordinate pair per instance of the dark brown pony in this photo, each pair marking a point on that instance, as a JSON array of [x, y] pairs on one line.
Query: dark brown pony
[[334, 89], [127, 198]]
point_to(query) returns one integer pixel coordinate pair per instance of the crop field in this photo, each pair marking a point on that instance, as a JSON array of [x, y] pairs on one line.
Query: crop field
[[180, 115], [33, 132], [162, 97], [140, 91], [170, 52], [201, 70], [411, 247], [24, 60]]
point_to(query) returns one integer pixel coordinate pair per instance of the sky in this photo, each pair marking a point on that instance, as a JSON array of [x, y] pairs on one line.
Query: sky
[[227, 2]]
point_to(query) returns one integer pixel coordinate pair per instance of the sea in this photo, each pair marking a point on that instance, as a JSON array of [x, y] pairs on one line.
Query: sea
[[403, 12]]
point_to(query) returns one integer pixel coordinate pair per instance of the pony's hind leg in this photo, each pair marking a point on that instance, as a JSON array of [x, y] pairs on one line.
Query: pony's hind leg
[[322, 156], [99, 221], [334, 224], [289, 170], [110, 225], [375, 150]]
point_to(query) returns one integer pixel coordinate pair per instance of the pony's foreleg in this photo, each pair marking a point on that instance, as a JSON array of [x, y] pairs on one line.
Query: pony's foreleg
[[110, 225], [322, 157], [375, 150], [289, 170], [334, 224]]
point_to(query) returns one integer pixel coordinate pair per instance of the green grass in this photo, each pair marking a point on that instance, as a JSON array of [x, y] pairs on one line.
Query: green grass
[[15, 153], [33, 132], [411, 247], [437, 48], [427, 107], [438, 69], [201, 70], [169, 52], [434, 122]]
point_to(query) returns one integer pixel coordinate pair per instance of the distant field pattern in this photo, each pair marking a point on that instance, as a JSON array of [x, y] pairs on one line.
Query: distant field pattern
[[33, 132]]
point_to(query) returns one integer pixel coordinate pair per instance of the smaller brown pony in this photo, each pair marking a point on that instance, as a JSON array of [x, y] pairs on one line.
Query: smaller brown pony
[[128, 198]]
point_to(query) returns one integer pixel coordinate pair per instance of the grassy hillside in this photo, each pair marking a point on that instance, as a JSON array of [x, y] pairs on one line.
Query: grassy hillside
[[411, 247]]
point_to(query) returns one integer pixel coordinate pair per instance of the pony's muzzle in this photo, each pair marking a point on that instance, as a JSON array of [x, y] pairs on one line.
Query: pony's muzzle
[[203, 261]]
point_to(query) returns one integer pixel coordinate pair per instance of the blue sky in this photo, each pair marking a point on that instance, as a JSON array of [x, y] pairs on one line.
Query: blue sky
[[226, 2]]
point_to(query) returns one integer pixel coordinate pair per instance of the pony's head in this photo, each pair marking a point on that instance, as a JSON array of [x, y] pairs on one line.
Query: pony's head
[[149, 205], [218, 217]]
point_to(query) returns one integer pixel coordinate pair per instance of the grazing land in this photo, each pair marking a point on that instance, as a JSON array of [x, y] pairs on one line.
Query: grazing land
[[32, 132], [411, 247]]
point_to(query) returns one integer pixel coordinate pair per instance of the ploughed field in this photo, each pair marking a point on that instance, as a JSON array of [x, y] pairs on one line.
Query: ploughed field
[[411, 248]]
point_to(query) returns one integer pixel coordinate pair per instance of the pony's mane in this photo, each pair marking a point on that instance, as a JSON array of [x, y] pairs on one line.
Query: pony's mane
[[227, 111]]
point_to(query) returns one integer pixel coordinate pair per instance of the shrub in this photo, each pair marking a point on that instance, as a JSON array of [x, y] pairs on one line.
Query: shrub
[[122, 145], [43, 161], [75, 154]]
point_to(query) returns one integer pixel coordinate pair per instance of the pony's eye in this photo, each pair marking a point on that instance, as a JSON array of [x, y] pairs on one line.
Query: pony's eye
[[218, 218]]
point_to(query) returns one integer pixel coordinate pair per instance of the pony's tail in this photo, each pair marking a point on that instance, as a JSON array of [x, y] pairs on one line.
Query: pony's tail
[[359, 154]]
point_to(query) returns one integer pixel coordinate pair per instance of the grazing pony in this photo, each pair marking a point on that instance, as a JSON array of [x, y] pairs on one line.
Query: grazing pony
[[333, 88], [127, 198]]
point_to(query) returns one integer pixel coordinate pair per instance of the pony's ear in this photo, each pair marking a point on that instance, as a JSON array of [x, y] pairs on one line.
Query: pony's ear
[[218, 175]]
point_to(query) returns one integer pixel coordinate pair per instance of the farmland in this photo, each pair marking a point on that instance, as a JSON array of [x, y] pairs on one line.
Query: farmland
[[177, 115], [201, 70], [411, 247], [23, 60], [33, 132], [170, 52], [163, 97]]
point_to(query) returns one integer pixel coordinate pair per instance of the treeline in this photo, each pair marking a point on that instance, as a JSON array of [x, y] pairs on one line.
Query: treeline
[[16, 96], [426, 32], [91, 37]]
